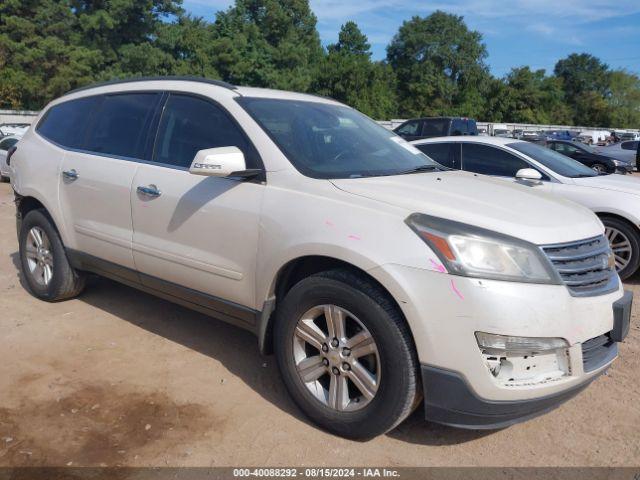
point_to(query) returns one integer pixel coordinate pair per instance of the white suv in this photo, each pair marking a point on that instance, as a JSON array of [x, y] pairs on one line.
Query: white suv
[[375, 276]]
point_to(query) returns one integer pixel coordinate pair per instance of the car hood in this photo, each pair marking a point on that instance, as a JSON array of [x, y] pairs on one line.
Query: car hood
[[618, 183], [482, 201]]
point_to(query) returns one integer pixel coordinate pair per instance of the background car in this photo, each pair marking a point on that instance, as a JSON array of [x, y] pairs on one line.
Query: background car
[[429, 127], [624, 151], [614, 198], [5, 144], [591, 157], [560, 135], [10, 129]]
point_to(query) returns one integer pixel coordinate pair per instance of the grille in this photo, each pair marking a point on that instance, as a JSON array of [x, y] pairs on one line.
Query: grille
[[584, 266], [597, 352]]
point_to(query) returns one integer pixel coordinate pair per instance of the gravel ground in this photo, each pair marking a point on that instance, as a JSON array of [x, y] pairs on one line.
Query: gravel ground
[[118, 377]]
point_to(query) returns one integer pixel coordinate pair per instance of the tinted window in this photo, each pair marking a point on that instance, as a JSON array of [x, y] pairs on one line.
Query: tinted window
[[410, 128], [66, 123], [7, 143], [629, 145], [332, 141], [566, 149], [490, 160], [472, 127], [440, 152], [121, 124], [191, 124], [459, 127], [554, 161], [436, 127]]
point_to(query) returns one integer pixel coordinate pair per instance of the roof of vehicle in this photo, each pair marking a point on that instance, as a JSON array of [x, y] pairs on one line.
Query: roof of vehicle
[[437, 118], [133, 83], [500, 141]]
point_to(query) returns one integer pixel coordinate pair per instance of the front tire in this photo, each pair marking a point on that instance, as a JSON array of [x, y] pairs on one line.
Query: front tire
[[625, 243], [346, 354], [45, 266], [598, 168]]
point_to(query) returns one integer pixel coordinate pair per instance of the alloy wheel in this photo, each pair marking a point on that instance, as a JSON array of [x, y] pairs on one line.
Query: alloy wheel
[[336, 358], [620, 245], [39, 256]]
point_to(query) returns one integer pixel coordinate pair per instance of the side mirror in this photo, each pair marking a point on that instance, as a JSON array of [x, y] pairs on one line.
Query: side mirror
[[221, 162], [529, 174]]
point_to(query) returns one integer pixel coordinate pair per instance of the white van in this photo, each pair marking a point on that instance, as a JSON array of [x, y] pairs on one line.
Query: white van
[[376, 276]]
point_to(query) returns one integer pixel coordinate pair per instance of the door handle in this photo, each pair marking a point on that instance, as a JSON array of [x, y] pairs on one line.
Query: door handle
[[150, 191], [70, 174]]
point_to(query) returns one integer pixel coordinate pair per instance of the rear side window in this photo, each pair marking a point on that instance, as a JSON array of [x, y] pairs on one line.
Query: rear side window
[[436, 127], [459, 127], [472, 127], [121, 124], [629, 145], [66, 124], [410, 128], [443, 153], [490, 161], [191, 124]]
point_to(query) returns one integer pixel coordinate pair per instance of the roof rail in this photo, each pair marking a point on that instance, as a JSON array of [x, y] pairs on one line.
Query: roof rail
[[187, 78]]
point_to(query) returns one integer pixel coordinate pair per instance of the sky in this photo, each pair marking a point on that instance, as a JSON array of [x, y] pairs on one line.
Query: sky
[[536, 33]]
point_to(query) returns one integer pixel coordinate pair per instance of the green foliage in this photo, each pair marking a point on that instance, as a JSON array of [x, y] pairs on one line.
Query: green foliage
[[348, 75], [435, 65], [440, 66], [267, 43]]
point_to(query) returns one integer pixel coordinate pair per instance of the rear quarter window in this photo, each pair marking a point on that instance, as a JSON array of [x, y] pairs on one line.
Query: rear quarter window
[[66, 123]]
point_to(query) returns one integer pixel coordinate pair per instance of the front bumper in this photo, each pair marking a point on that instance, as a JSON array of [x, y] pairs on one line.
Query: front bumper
[[449, 400], [444, 312]]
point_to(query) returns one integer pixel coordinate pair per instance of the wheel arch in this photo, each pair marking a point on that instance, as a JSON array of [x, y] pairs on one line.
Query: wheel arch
[[291, 273], [622, 218]]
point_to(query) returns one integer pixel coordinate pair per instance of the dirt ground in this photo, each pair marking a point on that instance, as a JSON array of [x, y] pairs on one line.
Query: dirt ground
[[118, 377]]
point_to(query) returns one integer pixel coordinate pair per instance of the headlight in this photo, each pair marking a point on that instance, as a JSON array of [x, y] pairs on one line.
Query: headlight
[[476, 252], [618, 163]]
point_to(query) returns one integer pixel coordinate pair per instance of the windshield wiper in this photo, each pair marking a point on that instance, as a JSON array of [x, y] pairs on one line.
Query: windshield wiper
[[419, 169]]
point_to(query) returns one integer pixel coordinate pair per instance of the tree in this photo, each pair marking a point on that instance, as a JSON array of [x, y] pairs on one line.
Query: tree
[[532, 97], [585, 81], [348, 75], [351, 40], [267, 43], [440, 66], [624, 99]]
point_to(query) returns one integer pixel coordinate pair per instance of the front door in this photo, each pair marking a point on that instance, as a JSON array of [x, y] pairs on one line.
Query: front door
[[194, 231]]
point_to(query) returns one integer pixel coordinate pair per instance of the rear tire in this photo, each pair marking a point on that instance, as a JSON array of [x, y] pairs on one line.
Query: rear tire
[[45, 267], [625, 243], [390, 362]]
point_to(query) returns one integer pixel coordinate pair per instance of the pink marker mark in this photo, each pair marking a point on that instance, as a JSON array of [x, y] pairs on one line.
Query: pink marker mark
[[354, 237], [329, 223], [438, 266], [455, 290]]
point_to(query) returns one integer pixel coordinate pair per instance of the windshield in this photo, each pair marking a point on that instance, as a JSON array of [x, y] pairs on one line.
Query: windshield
[[565, 166], [333, 141]]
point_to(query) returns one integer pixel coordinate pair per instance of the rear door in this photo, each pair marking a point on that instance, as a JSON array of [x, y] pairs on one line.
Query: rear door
[[96, 177], [194, 231], [445, 153]]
